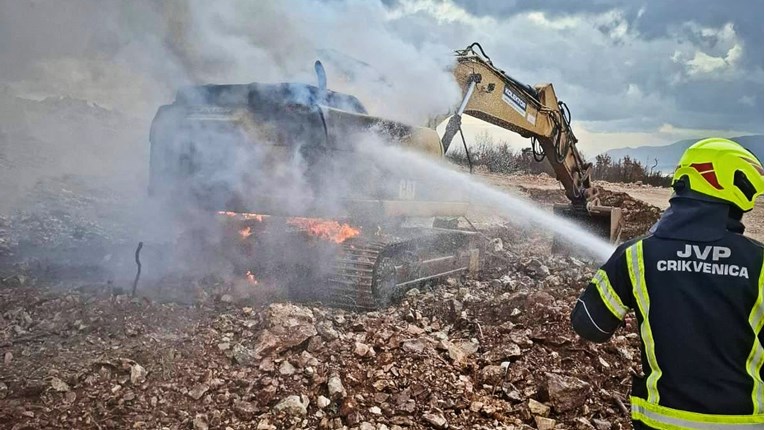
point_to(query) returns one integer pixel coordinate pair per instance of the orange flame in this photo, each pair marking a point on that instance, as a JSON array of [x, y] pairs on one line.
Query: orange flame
[[256, 217], [245, 232], [243, 215], [251, 278], [325, 229]]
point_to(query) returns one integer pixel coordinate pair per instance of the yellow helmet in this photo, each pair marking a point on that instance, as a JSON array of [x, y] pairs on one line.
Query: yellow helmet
[[722, 169]]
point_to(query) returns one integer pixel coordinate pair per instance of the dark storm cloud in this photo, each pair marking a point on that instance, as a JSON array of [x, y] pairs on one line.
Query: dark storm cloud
[[657, 17], [652, 19], [692, 64]]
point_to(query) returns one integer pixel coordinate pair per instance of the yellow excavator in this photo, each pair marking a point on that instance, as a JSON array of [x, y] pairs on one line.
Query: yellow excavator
[[493, 96], [310, 208]]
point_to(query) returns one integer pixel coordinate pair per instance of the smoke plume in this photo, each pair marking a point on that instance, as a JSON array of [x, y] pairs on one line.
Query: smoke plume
[[93, 74]]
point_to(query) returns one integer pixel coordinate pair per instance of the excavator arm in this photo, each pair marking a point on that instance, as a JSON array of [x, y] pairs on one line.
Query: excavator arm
[[493, 96]]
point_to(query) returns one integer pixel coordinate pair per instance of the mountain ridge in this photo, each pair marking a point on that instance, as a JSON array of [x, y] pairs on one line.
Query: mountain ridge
[[664, 158]]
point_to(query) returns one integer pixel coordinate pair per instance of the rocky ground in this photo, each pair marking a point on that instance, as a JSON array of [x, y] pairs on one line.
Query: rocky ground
[[490, 351], [494, 351]]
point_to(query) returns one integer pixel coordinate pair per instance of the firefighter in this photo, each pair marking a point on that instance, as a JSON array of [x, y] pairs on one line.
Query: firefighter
[[695, 284]]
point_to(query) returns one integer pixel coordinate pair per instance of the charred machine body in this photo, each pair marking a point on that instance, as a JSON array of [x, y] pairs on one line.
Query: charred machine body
[[295, 173], [311, 162]]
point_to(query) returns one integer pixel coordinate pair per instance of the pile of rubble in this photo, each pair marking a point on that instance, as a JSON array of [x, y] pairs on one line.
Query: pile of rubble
[[638, 215], [495, 351]]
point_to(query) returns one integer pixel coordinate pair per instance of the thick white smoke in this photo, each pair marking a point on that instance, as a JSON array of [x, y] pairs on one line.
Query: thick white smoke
[[131, 57], [243, 41]]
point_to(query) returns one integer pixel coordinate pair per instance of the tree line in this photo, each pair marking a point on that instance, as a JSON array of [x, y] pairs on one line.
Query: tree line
[[498, 157], [627, 169]]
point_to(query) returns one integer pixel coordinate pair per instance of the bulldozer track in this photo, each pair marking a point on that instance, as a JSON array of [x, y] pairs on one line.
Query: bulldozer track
[[355, 269]]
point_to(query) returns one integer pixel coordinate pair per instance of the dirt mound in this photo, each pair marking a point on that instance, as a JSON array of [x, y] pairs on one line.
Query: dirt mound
[[494, 351], [545, 195], [638, 216]]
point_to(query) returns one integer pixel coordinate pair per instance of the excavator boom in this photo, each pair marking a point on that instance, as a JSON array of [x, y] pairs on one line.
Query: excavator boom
[[493, 96]]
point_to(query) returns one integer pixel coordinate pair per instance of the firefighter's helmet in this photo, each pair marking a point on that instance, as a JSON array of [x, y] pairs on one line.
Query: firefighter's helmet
[[722, 169]]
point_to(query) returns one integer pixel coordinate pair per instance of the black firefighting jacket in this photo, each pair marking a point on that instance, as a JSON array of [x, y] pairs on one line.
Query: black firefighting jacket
[[696, 286]]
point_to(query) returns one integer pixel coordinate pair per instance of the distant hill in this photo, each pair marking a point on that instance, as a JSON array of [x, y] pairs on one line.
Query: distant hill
[[668, 155], [60, 136]]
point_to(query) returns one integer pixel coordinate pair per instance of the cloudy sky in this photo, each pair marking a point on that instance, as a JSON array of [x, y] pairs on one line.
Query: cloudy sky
[[633, 73]]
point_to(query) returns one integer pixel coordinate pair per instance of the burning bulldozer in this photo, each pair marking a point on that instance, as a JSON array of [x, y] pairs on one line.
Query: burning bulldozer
[[292, 171], [281, 165]]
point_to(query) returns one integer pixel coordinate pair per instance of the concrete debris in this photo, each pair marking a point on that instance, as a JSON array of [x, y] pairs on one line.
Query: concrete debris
[[361, 349], [413, 292], [322, 402], [327, 330], [413, 346], [198, 391], [603, 363], [508, 351], [538, 268], [286, 368], [460, 351], [492, 375], [200, 423], [137, 374], [265, 424], [243, 355], [287, 325], [245, 410]]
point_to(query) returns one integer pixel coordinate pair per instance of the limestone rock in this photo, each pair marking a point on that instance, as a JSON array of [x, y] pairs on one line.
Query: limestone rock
[[335, 387], [544, 423], [436, 420], [566, 392], [293, 405], [537, 408]]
